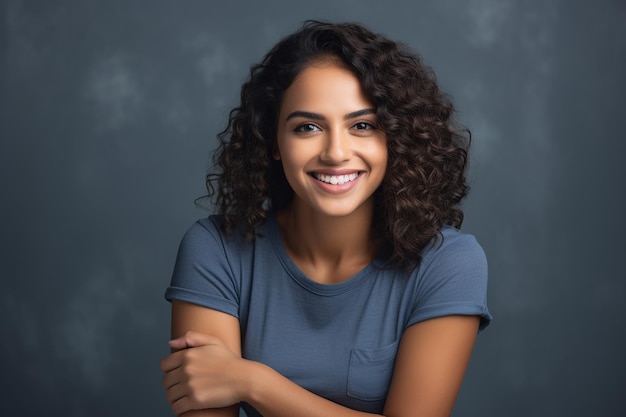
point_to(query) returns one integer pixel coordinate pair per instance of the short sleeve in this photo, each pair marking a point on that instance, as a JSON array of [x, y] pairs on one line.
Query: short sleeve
[[202, 273], [452, 280]]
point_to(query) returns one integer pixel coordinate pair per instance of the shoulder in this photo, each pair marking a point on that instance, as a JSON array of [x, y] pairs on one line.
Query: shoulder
[[207, 236], [208, 226], [454, 249], [208, 231], [452, 278], [203, 241]]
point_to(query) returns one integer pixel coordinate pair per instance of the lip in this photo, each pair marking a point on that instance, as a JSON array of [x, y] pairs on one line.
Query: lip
[[334, 171], [336, 188]]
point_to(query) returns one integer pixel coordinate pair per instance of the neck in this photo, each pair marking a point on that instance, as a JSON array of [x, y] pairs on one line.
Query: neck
[[319, 240]]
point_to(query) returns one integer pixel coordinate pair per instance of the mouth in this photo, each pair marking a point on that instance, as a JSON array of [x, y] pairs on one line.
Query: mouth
[[336, 179]]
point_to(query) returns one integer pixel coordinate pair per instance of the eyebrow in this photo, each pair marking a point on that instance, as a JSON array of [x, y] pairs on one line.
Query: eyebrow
[[317, 116]]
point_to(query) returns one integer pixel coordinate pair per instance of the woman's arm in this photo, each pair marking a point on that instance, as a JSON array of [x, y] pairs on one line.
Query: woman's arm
[[188, 317], [430, 365]]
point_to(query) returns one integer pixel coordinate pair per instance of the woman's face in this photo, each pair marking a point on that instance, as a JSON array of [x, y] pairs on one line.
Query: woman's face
[[333, 155]]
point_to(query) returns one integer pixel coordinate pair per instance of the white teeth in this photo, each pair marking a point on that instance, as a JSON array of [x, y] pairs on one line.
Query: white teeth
[[336, 179]]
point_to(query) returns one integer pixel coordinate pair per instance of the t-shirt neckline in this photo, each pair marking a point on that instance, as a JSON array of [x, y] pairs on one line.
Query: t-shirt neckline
[[301, 278]]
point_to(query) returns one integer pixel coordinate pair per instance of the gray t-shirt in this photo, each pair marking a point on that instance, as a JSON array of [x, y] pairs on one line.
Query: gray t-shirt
[[336, 340]]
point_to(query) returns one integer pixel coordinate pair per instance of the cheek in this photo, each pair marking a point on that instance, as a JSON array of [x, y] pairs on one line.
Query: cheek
[[379, 155], [294, 154], [292, 162]]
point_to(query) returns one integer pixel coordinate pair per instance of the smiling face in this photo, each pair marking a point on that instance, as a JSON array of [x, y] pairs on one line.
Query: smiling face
[[333, 155]]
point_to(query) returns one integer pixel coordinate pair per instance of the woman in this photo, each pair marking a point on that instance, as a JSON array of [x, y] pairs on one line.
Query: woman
[[334, 281]]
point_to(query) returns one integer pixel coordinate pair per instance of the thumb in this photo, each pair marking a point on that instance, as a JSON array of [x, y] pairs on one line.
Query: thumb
[[192, 339]]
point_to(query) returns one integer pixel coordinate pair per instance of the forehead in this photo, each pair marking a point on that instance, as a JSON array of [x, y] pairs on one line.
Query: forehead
[[325, 86]]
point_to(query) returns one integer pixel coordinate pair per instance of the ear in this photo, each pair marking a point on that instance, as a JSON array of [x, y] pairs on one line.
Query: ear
[[276, 152]]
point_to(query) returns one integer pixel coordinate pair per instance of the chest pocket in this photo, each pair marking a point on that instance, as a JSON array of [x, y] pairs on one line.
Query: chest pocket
[[370, 370]]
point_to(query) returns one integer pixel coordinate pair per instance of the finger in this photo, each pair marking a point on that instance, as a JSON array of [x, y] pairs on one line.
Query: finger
[[171, 362], [181, 342], [193, 339], [178, 344], [183, 405], [175, 393], [172, 378]]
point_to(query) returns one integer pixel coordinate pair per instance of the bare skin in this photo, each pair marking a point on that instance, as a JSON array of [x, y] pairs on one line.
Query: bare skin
[[187, 319], [326, 232], [430, 365]]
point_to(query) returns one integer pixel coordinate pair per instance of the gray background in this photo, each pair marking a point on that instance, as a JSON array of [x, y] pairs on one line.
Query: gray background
[[109, 113]]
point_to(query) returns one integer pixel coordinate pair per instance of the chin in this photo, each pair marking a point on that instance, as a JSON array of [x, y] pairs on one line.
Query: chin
[[342, 211]]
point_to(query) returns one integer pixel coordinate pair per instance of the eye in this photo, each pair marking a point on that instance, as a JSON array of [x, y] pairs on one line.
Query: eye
[[306, 128], [363, 126]]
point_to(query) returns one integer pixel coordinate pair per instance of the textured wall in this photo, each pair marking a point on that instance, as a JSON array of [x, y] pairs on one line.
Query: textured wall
[[108, 113]]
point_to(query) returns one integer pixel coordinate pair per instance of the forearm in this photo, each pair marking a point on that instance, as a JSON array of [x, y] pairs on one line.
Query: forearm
[[273, 395], [232, 411]]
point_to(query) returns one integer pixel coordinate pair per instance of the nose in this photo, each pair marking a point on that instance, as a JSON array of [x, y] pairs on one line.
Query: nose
[[337, 147]]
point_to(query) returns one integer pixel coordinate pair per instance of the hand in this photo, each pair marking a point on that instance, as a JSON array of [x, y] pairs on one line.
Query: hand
[[202, 373]]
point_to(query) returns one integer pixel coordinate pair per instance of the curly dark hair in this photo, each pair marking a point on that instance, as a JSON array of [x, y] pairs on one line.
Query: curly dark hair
[[427, 153]]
